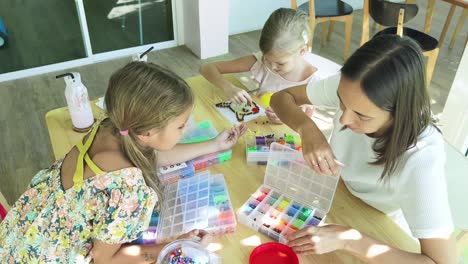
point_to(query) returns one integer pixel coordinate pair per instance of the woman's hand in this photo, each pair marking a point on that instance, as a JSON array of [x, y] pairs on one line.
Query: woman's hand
[[238, 95], [318, 153], [321, 239], [197, 234], [308, 110], [228, 138]]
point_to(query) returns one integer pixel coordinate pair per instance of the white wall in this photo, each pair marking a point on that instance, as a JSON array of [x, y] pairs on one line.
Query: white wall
[[454, 119], [249, 15]]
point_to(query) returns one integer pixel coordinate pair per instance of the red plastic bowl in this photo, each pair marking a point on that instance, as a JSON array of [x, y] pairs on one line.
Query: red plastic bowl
[[273, 252]]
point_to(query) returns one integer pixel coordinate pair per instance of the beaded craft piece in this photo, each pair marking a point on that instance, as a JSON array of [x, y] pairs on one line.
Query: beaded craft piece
[[241, 110]]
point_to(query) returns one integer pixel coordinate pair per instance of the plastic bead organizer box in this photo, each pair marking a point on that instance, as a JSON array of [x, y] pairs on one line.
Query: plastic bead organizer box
[[292, 196]]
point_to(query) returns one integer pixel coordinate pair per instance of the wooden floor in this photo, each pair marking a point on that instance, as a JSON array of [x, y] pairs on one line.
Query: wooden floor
[[25, 146]]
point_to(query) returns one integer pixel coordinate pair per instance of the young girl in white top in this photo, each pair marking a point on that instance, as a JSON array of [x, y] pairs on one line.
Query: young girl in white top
[[393, 152], [283, 61]]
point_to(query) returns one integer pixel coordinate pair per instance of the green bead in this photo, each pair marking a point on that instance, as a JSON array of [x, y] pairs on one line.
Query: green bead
[[298, 223], [225, 156], [219, 199], [252, 148], [306, 211], [204, 124]]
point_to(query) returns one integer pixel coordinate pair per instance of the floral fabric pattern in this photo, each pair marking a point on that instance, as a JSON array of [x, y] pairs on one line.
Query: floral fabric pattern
[[51, 225]]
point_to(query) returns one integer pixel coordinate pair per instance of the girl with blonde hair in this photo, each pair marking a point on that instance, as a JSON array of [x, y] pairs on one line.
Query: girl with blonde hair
[[283, 60]]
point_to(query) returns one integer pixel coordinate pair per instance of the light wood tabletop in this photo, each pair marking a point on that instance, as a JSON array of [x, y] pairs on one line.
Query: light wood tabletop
[[242, 181]]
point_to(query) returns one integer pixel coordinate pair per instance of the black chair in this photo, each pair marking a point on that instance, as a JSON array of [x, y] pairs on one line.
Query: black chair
[[393, 16], [328, 10]]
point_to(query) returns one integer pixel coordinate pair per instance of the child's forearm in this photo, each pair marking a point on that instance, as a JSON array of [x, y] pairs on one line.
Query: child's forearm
[[213, 75], [137, 254], [185, 152]]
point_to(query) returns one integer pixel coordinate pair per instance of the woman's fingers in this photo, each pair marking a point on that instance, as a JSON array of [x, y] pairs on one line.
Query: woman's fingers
[[309, 111], [323, 165], [304, 248], [333, 166], [301, 241], [306, 252], [312, 163], [323, 162]]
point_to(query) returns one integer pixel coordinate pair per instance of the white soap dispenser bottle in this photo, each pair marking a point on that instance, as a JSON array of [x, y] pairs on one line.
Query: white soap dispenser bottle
[[78, 103]]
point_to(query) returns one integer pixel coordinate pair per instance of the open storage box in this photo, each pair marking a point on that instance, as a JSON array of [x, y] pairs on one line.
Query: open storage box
[[292, 196], [257, 145]]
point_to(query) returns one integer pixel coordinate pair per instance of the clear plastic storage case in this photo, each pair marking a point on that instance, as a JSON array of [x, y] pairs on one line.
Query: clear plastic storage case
[[199, 202], [257, 145], [293, 195]]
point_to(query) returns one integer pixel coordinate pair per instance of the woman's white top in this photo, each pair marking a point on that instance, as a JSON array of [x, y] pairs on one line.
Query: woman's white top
[[416, 190]]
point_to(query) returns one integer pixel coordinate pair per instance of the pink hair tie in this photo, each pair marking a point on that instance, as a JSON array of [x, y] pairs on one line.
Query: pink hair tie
[[123, 132]]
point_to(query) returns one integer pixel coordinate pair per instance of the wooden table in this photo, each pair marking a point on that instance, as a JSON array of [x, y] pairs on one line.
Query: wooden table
[[243, 180]]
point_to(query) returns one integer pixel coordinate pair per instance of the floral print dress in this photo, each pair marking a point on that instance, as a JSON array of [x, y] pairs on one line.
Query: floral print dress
[[51, 225]]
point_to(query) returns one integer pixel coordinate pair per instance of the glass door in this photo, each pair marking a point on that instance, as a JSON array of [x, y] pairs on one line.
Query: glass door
[[51, 35], [39, 33], [120, 24]]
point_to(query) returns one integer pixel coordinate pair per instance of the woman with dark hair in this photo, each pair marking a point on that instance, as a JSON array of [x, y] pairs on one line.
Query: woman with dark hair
[[393, 152]]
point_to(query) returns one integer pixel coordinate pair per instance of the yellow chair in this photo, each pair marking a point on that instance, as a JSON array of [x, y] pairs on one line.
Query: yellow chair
[[328, 10]]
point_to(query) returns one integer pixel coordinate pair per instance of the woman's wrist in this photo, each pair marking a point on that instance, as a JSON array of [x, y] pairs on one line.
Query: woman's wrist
[[357, 243], [306, 127]]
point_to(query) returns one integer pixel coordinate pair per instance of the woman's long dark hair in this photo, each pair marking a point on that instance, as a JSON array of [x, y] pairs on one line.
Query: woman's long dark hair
[[392, 74]]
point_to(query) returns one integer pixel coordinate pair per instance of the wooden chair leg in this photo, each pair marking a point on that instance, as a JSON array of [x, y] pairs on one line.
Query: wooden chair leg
[[331, 27], [430, 65], [324, 33], [365, 23], [446, 25], [461, 22], [294, 4], [429, 13], [311, 40], [348, 28]]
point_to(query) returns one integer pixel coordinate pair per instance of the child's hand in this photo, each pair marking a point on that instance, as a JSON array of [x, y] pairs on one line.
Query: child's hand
[[228, 138], [272, 116], [199, 235], [238, 95]]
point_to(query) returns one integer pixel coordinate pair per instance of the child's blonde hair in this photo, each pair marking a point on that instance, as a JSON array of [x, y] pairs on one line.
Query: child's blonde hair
[[142, 96], [286, 30]]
